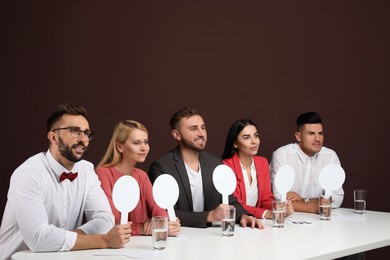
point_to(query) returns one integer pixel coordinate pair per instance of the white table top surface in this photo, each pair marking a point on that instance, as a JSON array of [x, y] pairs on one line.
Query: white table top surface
[[345, 234]]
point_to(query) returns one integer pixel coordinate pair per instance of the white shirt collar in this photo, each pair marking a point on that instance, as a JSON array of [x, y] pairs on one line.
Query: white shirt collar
[[302, 156], [252, 165], [56, 167]]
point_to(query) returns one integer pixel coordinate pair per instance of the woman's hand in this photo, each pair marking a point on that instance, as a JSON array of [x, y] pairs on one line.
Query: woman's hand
[[147, 228]]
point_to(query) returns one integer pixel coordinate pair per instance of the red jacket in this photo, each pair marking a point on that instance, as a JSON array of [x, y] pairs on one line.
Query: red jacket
[[263, 184]]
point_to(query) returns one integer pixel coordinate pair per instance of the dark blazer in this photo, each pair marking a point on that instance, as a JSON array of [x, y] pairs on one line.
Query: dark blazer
[[172, 163]]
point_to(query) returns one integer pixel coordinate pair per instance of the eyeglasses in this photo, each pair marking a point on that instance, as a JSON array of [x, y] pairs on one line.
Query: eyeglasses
[[75, 132]]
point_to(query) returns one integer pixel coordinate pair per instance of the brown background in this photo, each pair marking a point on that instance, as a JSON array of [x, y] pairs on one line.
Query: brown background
[[141, 60]]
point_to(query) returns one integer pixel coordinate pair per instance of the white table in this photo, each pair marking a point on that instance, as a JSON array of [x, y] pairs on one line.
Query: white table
[[345, 234]]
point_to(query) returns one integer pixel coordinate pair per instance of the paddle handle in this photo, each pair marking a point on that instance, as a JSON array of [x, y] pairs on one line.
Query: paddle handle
[[284, 197], [225, 199], [328, 194], [124, 217], [171, 214]]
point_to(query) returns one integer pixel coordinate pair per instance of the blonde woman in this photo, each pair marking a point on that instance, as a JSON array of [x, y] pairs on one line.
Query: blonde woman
[[129, 145]]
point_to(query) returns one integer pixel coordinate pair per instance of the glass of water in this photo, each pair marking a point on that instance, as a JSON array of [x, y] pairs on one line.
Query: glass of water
[[278, 213], [359, 201], [325, 210], [228, 220], [159, 232]]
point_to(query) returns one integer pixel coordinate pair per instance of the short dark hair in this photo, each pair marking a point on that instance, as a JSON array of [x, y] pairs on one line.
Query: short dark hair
[[183, 113], [234, 131], [63, 109], [308, 118]]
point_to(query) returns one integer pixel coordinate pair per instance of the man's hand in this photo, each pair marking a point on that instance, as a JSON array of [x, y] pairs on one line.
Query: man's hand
[[216, 214], [289, 208], [293, 196], [118, 235], [251, 221]]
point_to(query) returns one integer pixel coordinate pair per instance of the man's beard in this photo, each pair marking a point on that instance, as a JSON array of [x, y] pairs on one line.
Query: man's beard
[[191, 146], [66, 151]]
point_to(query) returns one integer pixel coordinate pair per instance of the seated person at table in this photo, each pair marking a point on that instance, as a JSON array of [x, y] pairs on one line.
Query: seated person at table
[[307, 157], [199, 203], [129, 145], [253, 189], [51, 191]]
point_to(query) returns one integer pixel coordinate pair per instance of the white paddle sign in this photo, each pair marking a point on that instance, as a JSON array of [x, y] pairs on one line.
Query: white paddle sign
[[125, 196], [331, 178], [224, 181], [284, 180], [166, 193]]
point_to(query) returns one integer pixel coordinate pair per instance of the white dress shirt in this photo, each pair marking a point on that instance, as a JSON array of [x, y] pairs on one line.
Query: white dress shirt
[[251, 189], [196, 185], [307, 170], [41, 210]]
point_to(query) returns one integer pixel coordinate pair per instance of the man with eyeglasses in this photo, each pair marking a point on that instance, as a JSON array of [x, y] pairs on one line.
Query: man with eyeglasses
[[51, 191]]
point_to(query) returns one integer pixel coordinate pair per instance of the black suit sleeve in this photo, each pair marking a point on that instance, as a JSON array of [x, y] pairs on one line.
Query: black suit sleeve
[[154, 172]]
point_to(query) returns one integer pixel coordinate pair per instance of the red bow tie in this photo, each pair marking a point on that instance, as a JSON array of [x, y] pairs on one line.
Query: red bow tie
[[70, 176]]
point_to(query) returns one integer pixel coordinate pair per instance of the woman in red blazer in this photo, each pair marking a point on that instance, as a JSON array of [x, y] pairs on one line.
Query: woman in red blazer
[[253, 188]]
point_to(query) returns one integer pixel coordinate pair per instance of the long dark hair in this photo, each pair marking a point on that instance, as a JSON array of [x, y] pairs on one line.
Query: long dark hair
[[234, 131]]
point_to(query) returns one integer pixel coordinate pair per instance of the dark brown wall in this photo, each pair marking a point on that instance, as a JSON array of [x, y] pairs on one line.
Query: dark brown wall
[[266, 60]]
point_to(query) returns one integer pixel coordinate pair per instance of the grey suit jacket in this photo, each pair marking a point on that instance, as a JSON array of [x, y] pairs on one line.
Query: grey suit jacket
[[172, 163]]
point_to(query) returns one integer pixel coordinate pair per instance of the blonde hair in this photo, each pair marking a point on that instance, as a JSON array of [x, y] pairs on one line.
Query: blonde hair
[[121, 132]]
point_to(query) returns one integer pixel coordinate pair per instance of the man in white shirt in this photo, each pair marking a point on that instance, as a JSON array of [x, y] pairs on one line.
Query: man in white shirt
[[307, 157], [51, 191]]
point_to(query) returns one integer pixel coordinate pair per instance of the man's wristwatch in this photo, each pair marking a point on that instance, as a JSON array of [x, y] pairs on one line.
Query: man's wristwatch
[[306, 200]]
